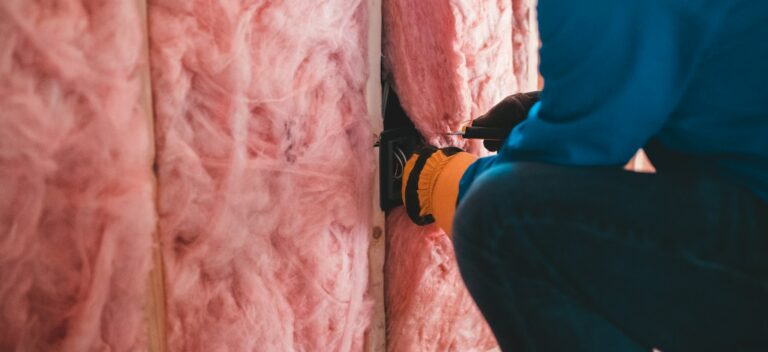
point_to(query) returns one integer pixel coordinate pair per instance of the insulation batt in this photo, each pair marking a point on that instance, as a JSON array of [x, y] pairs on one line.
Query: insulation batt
[[265, 164], [428, 307], [77, 211], [522, 35], [450, 62]]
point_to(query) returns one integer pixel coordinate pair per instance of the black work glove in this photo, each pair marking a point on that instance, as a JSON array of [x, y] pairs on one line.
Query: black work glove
[[506, 115]]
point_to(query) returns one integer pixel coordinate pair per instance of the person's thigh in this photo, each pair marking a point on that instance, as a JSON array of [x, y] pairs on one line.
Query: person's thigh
[[673, 261]]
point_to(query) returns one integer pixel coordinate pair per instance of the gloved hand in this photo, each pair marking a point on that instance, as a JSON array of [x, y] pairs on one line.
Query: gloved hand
[[431, 184], [506, 115]]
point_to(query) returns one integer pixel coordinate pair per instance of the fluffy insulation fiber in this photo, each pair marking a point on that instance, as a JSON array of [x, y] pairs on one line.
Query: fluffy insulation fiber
[[450, 61], [428, 307], [265, 164], [76, 207]]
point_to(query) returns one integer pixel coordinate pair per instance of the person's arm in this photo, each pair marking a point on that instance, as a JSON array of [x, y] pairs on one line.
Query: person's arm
[[614, 72], [431, 176]]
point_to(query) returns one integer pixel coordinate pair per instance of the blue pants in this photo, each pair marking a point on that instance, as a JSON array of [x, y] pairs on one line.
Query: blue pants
[[600, 259]]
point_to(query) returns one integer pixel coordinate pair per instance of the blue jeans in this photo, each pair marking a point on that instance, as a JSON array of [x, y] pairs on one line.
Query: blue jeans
[[600, 259]]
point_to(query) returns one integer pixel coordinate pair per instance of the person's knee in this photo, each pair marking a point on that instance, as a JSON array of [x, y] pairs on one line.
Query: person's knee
[[512, 192], [507, 186], [499, 194]]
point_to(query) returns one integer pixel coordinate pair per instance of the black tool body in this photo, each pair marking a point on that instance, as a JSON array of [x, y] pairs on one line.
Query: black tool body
[[486, 133]]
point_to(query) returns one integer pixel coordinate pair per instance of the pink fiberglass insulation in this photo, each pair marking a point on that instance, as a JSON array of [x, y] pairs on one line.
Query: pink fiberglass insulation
[[450, 62], [265, 165], [522, 35], [428, 307], [76, 207]]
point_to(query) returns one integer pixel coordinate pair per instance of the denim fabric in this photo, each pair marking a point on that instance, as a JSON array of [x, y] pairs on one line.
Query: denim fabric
[[600, 259]]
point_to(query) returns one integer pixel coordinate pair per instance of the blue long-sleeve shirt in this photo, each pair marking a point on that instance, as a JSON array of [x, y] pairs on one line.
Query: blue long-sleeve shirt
[[688, 76]]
